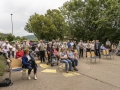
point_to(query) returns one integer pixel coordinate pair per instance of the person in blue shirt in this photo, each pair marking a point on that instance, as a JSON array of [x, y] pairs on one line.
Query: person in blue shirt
[[29, 63], [102, 47]]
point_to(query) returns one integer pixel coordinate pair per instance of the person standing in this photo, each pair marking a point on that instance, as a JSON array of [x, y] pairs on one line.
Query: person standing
[[81, 48], [97, 48], [88, 47], [108, 44], [92, 46], [41, 46]]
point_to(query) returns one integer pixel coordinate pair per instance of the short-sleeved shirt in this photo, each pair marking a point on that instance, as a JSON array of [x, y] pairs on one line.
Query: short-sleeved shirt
[[70, 54]]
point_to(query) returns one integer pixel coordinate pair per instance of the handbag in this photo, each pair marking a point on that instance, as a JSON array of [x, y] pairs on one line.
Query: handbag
[[6, 82]]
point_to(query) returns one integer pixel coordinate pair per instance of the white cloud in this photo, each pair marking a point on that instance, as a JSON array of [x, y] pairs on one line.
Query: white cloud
[[21, 10]]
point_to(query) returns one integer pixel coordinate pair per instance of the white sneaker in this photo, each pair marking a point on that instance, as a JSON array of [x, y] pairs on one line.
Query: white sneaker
[[29, 77], [35, 77]]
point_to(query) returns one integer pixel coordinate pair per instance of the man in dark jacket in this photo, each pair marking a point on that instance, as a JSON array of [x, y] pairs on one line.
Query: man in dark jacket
[[97, 48], [50, 51]]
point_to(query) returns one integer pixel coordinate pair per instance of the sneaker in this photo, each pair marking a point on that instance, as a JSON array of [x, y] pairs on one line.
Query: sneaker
[[35, 77], [29, 77]]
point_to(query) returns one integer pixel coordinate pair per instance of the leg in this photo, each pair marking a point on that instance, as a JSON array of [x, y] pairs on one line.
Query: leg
[[43, 56], [70, 64], [82, 52], [35, 71], [29, 71], [76, 62], [66, 64]]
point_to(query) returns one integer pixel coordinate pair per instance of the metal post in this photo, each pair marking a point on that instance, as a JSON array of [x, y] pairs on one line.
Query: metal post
[[12, 23]]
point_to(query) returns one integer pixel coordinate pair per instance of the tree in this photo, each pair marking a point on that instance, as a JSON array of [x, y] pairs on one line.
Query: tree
[[10, 37], [93, 19], [57, 19], [23, 38], [41, 26]]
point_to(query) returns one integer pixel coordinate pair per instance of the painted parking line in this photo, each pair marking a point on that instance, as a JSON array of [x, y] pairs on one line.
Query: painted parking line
[[49, 71], [70, 74], [44, 65]]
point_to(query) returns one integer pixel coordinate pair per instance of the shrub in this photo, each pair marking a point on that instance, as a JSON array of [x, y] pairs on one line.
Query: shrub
[[2, 65]]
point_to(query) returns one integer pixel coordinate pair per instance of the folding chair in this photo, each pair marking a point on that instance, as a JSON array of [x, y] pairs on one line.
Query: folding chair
[[94, 56], [15, 65], [89, 56], [107, 53]]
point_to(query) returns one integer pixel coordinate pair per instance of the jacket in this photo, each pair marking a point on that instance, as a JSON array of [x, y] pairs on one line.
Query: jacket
[[25, 60]]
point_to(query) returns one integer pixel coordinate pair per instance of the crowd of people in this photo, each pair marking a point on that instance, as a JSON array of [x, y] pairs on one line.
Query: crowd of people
[[67, 52]]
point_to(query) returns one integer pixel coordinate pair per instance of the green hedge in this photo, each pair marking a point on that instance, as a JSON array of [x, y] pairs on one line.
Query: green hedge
[[2, 65]]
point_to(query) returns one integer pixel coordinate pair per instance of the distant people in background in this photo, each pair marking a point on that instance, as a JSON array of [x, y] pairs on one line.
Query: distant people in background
[[37, 51], [56, 45], [97, 48], [88, 47], [92, 45], [6, 44], [42, 46], [65, 46], [68, 43], [113, 48], [25, 44], [118, 51], [50, 52], [5, 50], [108, 44], [102, 47], [81, 47]]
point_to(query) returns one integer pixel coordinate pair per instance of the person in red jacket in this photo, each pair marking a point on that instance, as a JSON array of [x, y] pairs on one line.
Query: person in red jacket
[[19, 53]]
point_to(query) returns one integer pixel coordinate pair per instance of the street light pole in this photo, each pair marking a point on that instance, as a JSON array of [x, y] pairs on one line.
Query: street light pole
[[12, 23]]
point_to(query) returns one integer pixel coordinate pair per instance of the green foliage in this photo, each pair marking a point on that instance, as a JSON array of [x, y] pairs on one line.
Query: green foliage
[[49, 26], [10, 37], [92, 19], [23, 38], [2, 65]]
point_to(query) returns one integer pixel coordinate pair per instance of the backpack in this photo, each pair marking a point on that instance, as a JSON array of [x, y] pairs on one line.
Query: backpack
[[6, 82]]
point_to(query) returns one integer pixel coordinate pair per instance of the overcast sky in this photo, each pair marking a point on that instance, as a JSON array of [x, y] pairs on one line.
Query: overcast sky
[[22, 10]]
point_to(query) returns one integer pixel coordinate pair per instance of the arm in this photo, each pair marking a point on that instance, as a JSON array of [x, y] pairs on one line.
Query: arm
[[24, 62]]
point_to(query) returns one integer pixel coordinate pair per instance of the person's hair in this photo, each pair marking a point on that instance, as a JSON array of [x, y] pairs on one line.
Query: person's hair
[[61, 50], [25, 51]]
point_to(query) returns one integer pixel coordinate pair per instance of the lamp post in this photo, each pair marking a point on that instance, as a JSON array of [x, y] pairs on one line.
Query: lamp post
[[12, 23]]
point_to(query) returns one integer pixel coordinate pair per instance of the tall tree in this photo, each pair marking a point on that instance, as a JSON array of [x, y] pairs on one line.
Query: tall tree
[[41, 26]]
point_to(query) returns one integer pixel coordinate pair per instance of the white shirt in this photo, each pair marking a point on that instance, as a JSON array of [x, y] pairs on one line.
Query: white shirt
[[5, 50], [92, 46], [36, 49], [28, 56]]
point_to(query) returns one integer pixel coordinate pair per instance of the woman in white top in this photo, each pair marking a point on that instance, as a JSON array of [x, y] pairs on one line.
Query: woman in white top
[[29, 63]]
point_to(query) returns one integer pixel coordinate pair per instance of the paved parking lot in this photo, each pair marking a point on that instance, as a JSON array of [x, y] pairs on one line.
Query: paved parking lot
[[103, 75]]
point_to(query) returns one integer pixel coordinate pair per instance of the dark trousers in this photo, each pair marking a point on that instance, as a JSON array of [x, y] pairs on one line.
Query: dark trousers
[[74, 62], [81, 53], [42, 56], [30, 69], [97, 53], [87, 50], [49, 58]]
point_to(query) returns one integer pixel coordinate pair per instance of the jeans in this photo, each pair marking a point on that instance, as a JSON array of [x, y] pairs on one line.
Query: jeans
[[74, 62], [30, 69], [66, 64]]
